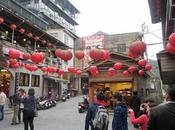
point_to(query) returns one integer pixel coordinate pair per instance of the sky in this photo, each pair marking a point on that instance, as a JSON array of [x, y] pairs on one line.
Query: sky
[[116, 17]]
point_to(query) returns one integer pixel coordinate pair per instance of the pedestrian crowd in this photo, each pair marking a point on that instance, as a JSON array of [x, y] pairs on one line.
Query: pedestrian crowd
[[143, 115], [21, 102]]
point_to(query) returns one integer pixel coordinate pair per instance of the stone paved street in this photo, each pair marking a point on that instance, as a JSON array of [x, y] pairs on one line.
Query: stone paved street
[[62, 117]]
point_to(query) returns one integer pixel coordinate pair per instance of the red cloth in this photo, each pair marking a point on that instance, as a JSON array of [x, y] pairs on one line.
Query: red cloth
[[142, 120], [103, 103]]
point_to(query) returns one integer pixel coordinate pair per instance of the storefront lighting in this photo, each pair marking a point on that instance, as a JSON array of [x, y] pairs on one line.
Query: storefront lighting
[[3, 70], [24, 39], [6, 32], [38, 46], [14, 41]]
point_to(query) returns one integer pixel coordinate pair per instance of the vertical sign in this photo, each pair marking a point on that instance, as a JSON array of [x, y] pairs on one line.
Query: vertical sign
[[16, 81]]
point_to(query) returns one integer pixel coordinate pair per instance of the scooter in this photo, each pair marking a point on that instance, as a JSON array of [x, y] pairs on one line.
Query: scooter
[[83, 106]]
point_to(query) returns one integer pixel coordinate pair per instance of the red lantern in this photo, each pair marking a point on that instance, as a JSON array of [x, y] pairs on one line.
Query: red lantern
[[34, 68], [29, 35], [96, 54], [21, 30], [170, 49], [15, 66], [131, 69], [26, 56], [66, 55], [13, 26], [44, 69], [118, 66], [93, 68], [12, 61], [78, 73], [36, 38], [142, 62], [141, 72], [171, 39], [58, 53], [105, 55], [125, 72], [111, 71], [37, 57], [14, 53], [148, 67], [79, 54], [133, 54], [43, 42], [1, 20], [61, 71]]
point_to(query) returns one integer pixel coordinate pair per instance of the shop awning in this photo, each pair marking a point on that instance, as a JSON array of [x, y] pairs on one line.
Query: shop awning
[[57, 79]]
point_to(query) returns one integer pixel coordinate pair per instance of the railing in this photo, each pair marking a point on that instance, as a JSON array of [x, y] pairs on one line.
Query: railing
[[24, 13]]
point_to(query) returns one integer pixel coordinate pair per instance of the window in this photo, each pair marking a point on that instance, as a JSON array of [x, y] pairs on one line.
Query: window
[[24, 79], [35, 81], [121, 47], [66, 39]]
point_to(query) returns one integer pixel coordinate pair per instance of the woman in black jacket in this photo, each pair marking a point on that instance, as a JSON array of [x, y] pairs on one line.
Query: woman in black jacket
[[29, 109]]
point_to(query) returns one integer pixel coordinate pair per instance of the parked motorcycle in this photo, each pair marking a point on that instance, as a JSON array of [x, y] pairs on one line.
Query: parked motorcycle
[[83, 106]]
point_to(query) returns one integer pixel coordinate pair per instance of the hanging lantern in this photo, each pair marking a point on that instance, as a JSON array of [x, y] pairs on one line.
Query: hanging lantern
[[142, 62], [29, 35], [131, 69], [37, 57], [44, 69], [96, 54], [78, 73], [95, 73], [43, 42], [13, 26], [125, 72], [36, 38], [15, 66], [171, 39], [1, 20], [111, 71], [34, 68], [21, 30], [79, 54], [12, 61], [14, 53], [61, 71], [66, 55], [105, 55], [148, 67], [26, 56], [93, 68], [118, 66], [170, 49], [133, 54], [58, 53], [71, 69], [141, 72]]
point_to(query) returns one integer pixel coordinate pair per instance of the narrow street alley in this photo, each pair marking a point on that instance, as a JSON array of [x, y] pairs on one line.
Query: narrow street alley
[[64, 116]]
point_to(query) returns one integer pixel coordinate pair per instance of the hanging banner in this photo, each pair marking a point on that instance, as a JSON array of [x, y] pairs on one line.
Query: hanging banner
[[90, 42]]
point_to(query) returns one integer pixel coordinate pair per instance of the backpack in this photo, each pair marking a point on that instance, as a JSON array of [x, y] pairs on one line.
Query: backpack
[[101, 119]]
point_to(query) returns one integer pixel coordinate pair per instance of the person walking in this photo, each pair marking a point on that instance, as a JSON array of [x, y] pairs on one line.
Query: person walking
[[162, 117], [2, 103], [119, 121], [135, 105], [21, 106], [142, 120], [29, 109], [16, 104], [93, 112]]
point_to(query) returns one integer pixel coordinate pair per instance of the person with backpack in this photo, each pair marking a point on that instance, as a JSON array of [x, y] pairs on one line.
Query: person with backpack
[[97, 115], [119, 121]]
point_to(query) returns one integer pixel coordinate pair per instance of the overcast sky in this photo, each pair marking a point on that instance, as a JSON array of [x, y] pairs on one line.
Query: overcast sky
[[115, 17]]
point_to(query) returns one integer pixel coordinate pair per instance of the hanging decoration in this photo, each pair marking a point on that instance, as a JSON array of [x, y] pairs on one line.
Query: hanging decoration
[[131, 69], [148, 67], [66, 55], [61, 72], [105, 55], [78, 73], [36, 38], [111, 71], [29, 34], [170, 49], [13, 26], [171, 39], [13, 53], [118, 66], [21, 30], [58, 53], [136, 49], [96, 54], [44, 69], [51, 69], [1, 20], [71, 69], [43, 42], [26, 56], [12, 61], [125, 72], [141, 72], [142, 62], [79, 54], [15, 66], [37, 57]]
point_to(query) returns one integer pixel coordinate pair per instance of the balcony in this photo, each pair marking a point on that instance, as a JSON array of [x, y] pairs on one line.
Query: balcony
[[24, 13]]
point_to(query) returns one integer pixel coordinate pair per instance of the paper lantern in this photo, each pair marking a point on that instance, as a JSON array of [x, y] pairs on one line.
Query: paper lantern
[[111, 71], [43, 42], [29, 35], [61, 71], [96, 54], [44, 69], [170, 49], [171, 39], [21, 30], [105, 55], [131, 69], [66, 55], [118, 66], [1, 20], [125, 72], [148, 67], [79, 54], [58, 53], [78, 73], [13, 26], [36, 38], [26, 56], [14, 53], [37, 57], [141, 72], [142, 62], [93, 68]]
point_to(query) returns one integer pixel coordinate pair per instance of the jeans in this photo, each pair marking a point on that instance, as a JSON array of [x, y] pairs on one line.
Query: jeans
[[15, 114], [1, 112]]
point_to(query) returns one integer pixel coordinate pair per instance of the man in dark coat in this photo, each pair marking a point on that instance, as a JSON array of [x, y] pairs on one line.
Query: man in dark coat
[[92, 111], [162, 117], [135, 105]]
